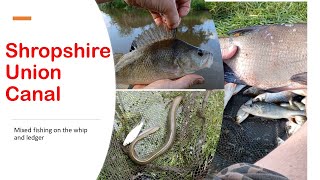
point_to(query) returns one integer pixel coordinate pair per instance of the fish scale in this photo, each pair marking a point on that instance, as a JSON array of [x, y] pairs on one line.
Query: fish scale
[[157, 54], [268, 56]]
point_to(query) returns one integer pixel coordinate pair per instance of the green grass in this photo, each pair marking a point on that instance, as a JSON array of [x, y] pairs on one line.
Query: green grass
[[233, 15]]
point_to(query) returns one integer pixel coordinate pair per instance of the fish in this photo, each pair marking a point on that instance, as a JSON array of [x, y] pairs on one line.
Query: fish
[[300, 105], [289, 106], [282, 96], [241, 114], [172, 129], [133, 134], [296, 106], [231, 89], [300, 120], [253, 91], [271, 111], [269, 57], [157, 54]]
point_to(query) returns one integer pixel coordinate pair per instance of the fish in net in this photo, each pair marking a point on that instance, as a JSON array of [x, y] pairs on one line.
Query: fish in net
[[198, 127]]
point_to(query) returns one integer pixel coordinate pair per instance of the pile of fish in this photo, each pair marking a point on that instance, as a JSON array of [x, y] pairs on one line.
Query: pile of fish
[[272, 59], [157, 54], [277, 105]]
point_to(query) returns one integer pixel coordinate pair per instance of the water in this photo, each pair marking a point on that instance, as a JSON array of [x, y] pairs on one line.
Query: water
[[197, 28]]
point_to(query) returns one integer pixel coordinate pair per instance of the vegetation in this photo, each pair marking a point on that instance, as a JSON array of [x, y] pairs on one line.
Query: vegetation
[[234, 15]]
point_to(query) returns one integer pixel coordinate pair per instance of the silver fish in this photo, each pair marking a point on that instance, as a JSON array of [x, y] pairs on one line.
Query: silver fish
[[282, 96], [271, 111], [157, 54], [241, 114], [231, 89], [272, 57], [289, 106], [300, 105]]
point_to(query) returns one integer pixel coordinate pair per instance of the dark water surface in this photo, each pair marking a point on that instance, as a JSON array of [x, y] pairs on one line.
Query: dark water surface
[[197, 28]]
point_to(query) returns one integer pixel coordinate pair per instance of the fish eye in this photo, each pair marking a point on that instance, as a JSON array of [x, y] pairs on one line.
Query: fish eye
[[200, 53], [251, 105]]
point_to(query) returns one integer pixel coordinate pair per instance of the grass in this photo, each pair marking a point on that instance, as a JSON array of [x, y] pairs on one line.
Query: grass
[[233, 15]]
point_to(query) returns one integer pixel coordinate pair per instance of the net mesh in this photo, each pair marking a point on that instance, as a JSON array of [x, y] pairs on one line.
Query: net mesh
[[247, 142], [198, 129]]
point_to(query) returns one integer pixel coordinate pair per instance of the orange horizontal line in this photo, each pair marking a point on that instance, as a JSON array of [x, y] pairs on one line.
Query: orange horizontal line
[[21, 18]]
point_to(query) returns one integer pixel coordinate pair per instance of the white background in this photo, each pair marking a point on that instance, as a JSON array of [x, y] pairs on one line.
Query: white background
[[87, 92], [81, 157]]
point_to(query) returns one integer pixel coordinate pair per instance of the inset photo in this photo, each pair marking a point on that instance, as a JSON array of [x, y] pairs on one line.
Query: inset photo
[[265, 87], [164, 135], [154, 57]]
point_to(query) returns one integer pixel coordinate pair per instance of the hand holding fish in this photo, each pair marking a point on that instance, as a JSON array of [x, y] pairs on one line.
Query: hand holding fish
[[187, 80], [181, 83]]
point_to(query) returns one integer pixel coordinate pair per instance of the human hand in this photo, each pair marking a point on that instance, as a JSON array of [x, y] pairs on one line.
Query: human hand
[[181, 83], [164, 12], [229, 53], [187, 80]]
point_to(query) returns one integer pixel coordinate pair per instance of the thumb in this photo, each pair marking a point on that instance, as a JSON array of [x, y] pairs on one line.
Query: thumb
[[229, 53]]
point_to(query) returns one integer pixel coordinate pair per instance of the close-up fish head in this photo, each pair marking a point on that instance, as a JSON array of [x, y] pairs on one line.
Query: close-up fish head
[[192, 59]]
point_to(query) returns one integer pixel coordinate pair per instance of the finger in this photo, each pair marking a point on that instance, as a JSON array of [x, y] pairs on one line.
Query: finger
[[229, 53], [184, 7], [172, 17], [156, 17], [183, 11], [186, 81]]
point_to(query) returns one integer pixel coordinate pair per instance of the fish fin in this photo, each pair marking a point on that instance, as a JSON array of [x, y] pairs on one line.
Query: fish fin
[[242, 31], [151, 36], [230, 76], [300, 78], [123, 61]]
